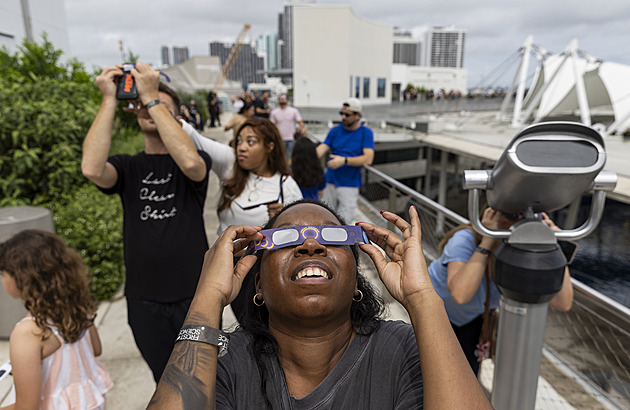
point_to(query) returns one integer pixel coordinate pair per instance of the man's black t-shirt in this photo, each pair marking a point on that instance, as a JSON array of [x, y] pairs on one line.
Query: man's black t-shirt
[[163, 228]]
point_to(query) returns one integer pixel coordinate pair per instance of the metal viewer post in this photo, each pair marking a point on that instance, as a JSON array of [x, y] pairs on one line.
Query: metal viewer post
[[544, 168]]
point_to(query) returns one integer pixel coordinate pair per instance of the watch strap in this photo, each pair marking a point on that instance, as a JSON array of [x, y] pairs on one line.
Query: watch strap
[[484, 251], [205, 334], [153, 103]]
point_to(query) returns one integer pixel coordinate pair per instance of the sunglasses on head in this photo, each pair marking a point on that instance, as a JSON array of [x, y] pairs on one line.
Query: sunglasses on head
[[296, 235], [346, 114]]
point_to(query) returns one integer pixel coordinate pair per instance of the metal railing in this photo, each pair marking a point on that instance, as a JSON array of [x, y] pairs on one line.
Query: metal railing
[[591, 343]]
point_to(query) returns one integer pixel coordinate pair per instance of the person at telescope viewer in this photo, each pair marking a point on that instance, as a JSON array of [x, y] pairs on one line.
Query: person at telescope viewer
[[458, 276]]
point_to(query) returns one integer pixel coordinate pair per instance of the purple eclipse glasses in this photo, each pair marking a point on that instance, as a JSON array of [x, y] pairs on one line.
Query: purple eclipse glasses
[[296, 235]]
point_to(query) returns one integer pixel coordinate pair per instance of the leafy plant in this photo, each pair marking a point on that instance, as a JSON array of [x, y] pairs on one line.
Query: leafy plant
[[47, 108], [91, 222]]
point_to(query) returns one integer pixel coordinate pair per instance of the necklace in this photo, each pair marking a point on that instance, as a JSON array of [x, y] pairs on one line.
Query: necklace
[[253, 193]]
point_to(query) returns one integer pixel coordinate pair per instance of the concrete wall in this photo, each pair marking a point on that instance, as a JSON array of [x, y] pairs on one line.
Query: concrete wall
[[430, 77], [333, 47]]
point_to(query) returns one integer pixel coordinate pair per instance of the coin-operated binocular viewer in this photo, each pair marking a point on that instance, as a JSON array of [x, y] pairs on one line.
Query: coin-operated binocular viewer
[[544, 168]]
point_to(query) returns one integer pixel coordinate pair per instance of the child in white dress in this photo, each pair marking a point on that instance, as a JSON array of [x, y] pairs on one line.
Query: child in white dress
[[53, 350]]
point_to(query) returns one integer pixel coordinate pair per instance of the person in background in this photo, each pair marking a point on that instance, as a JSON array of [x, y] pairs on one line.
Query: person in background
[[286, 119], [246, 111], [312, 337], [307, 168], [53, 349], [237, 103], [194, 113], [214, 109], [162, 190], [191, 114], [262, 105], [351, 146], [459, 277], [255, 178]]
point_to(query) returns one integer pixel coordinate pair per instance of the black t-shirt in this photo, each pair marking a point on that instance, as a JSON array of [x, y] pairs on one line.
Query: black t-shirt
[[262, 105], [380, 370], [163, 229]]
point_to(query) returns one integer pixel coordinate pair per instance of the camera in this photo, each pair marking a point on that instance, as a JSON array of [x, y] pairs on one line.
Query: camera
[[126, 88]]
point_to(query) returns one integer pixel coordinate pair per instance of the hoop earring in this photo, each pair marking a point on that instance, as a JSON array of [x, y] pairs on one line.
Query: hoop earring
[[360, 297], [259, 304]]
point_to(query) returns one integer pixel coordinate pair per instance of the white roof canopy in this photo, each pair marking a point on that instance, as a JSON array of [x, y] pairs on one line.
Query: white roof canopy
[[573, 83]]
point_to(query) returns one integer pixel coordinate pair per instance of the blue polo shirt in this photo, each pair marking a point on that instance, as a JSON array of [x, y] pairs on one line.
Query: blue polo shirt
[[347, 144]]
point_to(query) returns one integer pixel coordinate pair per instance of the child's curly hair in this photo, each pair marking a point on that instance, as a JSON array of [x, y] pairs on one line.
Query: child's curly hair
[[52, 281]]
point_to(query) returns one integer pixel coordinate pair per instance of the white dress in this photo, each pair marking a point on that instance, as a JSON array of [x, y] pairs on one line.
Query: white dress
[[72, 378]]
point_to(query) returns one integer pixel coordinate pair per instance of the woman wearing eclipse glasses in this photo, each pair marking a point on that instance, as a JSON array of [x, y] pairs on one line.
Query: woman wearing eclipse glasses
[[312, 334]]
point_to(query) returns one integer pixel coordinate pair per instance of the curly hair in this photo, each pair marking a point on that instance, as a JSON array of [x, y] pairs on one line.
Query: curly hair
[[365, 315], [306, 167], [276, 160], [52, 281]]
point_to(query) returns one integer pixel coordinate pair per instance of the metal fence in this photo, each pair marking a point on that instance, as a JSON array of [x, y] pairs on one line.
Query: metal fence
[[590, 344]]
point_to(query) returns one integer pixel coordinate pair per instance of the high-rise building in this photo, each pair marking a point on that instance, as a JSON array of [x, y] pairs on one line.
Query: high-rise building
[[180, 54], [267, 44], [445, 47], [285, 35], [407, 50], [248, 67], [166, 58]]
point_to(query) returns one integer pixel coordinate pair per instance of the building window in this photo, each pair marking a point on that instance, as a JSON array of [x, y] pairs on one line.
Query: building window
[[366, 87], [380, 90], [357, 87]]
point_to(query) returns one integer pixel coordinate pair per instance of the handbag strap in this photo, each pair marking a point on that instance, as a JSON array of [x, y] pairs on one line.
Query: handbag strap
[[282, 179], [486, 311]]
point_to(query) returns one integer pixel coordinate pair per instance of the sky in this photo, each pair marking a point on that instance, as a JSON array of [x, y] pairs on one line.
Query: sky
[[496, 29]]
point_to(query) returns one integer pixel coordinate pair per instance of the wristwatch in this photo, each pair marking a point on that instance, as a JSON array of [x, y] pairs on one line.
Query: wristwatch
[[205, 334], [152, 103], [484, 251]]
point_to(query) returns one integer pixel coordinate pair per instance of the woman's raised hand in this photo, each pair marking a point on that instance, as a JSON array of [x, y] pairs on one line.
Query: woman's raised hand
[[406, 275], [219, 274]]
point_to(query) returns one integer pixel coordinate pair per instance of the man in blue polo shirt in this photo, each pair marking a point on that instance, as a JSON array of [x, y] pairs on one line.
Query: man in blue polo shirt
[[351, 145]]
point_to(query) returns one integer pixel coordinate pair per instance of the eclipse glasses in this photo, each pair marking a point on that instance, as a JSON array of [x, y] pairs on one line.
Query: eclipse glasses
[[296, 235]]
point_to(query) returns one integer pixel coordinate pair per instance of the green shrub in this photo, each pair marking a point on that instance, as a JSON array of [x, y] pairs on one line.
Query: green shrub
[[91, 222], [46, 109]]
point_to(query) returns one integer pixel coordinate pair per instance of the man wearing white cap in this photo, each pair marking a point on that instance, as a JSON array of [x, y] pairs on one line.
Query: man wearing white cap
[[351, 145]]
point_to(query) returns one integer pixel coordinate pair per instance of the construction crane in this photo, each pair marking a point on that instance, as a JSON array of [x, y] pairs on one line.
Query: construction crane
[[231, 59]]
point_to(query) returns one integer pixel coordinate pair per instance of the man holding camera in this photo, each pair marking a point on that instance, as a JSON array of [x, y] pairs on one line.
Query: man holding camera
[[163, 190]]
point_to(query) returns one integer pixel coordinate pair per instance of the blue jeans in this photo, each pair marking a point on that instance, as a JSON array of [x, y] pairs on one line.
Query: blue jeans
[[289, 146]]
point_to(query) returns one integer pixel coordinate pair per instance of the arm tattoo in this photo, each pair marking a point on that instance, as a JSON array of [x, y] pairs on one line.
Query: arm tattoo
[[189, 371]]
